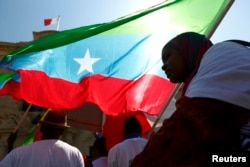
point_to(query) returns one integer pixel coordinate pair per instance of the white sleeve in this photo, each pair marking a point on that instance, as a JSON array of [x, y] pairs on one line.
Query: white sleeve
[[112, 158], [8, 160]]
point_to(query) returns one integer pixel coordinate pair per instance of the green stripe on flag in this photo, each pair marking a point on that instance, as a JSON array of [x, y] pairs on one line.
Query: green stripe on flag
[[200, 16], [31, 136]]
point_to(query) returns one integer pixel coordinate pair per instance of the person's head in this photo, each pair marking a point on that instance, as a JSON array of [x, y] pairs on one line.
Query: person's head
[[132, 126], [53, 124], [181, 56], [99, 148]]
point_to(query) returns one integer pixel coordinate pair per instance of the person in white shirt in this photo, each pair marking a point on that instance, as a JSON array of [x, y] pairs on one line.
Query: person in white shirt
[[123, 153], [50, 151]]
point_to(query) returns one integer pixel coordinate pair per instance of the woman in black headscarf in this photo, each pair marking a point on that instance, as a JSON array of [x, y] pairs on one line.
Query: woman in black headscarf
[[203, 123]]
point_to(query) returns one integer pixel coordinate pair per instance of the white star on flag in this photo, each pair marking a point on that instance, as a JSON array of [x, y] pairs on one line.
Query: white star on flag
[[86, 62]]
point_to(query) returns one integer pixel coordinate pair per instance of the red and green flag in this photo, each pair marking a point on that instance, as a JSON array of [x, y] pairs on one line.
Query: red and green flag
[[35, 133], [116, 65]]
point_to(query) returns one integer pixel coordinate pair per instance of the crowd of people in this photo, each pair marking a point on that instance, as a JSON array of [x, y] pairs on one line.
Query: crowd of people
[[210, 117]]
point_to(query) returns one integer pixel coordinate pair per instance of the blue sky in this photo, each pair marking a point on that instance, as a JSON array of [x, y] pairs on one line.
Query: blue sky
[[19, 18]]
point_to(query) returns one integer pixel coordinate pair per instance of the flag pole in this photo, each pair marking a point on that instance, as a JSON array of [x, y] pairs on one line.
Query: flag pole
[[229, 5], [13, 135], [24, 115], [58, 23], [178, 86]]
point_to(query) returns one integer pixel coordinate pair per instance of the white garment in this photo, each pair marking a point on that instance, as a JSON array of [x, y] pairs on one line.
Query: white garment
[[224, 74], [100, 162], [49, 153], [122, 154]]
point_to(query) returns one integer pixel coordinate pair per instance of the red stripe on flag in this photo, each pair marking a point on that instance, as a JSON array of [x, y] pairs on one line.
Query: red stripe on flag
[[13, 89], [112, 95], [4, 89]]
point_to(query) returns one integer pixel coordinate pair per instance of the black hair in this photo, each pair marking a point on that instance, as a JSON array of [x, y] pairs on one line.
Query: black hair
[[100, 145], [132, 125]]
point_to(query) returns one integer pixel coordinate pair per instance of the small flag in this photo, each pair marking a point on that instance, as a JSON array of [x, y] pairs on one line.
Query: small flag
[[35, 134], [50, 21]]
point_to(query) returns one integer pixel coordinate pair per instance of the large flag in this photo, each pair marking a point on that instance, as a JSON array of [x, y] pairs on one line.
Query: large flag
[[116, 65]]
